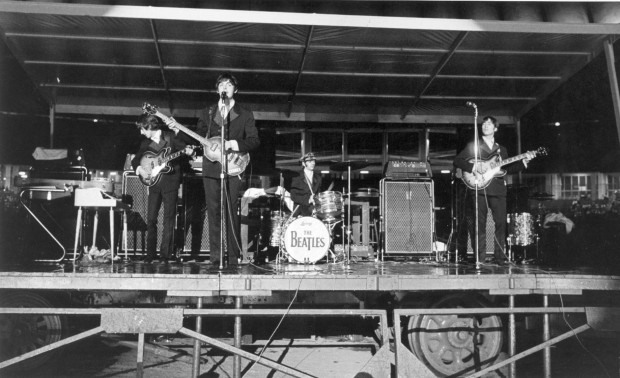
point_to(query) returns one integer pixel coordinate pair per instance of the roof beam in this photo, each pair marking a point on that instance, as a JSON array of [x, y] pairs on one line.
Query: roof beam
[[295, 46], [292, 72], [300, 70], [307, 94], [289, 18], [444, 60], [161, 65]]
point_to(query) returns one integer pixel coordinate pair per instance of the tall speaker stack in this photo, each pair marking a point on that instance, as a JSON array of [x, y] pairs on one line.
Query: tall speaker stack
[[408, 219], [137, 194]]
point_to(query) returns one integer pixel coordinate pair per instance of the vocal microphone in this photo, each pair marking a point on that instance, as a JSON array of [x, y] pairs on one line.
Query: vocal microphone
[[469, 103], [223, 96]]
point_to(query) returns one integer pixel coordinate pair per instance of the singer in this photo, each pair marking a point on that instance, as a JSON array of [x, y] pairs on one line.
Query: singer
[[492, 197], [241, 135]]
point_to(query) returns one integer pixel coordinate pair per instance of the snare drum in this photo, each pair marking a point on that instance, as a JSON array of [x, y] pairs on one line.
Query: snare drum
[[521, 229], [306, 240], [329, 206]]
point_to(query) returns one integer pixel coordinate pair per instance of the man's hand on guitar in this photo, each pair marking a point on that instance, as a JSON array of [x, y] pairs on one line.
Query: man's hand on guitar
[[530, 155], [172, 124], [481, 168], [231, 145]]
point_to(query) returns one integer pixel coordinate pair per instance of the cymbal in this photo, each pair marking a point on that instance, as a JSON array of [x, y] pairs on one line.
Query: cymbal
[[344, 165], [366, 193]]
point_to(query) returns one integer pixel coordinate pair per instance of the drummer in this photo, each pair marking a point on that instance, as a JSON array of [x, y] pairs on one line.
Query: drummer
[[305, 186]]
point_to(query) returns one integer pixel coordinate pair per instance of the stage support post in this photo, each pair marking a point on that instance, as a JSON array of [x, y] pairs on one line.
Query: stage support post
[[546, 337], [236, 357], [512, 347], [196, 359]]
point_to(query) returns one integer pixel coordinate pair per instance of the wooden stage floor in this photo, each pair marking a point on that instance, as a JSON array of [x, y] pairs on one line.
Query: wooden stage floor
[[200, 278]]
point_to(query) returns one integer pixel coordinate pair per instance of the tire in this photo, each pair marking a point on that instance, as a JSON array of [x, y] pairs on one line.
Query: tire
[[456, 344], [21, 333]]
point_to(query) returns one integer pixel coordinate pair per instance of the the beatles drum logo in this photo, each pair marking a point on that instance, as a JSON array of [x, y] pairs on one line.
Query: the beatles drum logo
[[306, 240]]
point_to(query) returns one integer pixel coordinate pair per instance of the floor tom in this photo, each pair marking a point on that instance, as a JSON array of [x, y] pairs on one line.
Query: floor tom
[[521, 230]]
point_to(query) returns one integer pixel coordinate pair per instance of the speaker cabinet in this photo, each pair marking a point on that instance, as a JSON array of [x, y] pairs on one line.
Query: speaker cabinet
[[407, 213], [137, 194], [465, 220], [194, 216]]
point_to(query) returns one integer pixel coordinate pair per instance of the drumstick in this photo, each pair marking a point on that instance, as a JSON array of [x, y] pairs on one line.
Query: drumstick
[[330, 186], [294, 210]]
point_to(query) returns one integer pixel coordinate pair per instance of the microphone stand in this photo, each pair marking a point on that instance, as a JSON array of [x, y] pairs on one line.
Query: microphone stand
[[476, 161], [224, 163]]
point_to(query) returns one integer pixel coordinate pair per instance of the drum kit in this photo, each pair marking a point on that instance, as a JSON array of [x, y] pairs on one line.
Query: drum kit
[[524, 228], [309, 239]]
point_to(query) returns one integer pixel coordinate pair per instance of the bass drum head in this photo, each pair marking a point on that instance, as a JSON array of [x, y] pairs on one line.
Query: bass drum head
[[306, 240]]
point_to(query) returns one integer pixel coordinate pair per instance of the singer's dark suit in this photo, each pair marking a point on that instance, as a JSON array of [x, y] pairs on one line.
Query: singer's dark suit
[[165, 191], [242, 129], [301, 193], [493, 197]]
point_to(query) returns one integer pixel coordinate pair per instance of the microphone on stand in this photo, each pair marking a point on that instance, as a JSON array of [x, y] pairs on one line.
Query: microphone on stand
[[223, 96], [469, 103]]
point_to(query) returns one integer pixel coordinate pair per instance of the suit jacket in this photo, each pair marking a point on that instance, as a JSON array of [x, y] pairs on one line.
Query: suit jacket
[[242, 128], [301, 193], [172, 180], [497, 187]]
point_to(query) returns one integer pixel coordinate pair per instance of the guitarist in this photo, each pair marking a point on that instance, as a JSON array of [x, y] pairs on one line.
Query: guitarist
[[165, 191], [241, 135], [493, 196]]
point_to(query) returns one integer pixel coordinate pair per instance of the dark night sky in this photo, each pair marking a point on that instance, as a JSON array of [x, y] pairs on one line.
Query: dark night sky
[[586, 141]]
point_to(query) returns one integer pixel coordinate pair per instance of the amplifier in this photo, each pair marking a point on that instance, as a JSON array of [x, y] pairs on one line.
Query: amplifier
[[401, 170], [408, 217]]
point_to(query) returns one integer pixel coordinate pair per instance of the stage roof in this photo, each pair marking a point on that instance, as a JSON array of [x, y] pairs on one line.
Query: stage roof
[[396, 62]]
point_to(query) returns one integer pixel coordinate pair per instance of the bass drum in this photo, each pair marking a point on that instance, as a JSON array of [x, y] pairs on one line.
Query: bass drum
[[306, 240]]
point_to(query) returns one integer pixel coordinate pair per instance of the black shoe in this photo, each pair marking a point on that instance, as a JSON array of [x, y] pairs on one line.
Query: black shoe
[[501, 261], [148, 259]]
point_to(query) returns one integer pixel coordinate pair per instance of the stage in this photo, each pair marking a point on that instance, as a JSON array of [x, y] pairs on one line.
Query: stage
[[372, 276]]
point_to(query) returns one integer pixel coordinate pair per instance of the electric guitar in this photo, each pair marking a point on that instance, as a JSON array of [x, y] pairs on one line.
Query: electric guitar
[[154, 165], [236, 162], [495, 163]]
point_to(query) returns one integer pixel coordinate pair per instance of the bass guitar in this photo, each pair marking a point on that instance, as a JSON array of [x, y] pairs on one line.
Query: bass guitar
[[495, 163], [154, 165], [236, 162]]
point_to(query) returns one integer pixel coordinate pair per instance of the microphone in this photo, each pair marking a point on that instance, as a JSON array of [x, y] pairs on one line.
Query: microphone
[[223, 96], [469, 103]]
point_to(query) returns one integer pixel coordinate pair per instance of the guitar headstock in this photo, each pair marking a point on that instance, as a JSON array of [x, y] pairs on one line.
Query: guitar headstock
[[542, 151], [149, 109]]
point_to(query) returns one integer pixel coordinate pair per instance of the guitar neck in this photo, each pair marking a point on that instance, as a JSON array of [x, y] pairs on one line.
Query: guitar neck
[[183, 128], [172, 156], [508, 161]]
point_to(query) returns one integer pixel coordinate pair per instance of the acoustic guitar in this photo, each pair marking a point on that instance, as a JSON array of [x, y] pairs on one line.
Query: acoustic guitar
[[236, 162], [495, 163], [154, 165]]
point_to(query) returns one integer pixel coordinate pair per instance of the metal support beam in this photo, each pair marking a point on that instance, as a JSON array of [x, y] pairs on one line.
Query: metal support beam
[[237, 335], [259, 360], [444, 60], [52, 123], [300, 71], [546, 337], [52, 346], [512, 336], [532, 350], [613, 81], [196, 359], [161, 65]]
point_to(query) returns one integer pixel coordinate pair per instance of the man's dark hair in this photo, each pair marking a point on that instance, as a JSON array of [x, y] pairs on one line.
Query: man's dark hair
[[148, 122], [492, 119], [227, 76]]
